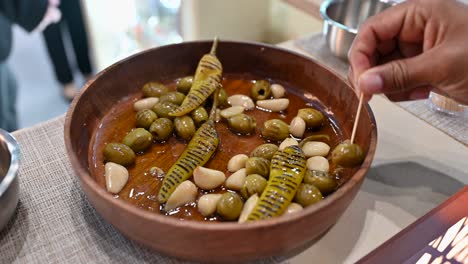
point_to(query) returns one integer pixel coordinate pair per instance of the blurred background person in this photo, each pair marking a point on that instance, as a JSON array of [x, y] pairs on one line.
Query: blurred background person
[[30, 15], [71, 24]]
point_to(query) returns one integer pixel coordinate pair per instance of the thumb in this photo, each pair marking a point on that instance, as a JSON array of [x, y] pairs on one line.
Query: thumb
[[397, 76]]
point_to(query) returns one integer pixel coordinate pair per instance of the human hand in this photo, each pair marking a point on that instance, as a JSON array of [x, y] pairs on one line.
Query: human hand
[[413, 48]]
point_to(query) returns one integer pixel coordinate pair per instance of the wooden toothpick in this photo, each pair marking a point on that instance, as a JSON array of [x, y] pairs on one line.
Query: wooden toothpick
[[356, 120]]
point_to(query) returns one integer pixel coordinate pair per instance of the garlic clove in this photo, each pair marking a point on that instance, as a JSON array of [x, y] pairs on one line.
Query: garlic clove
[[248, 208], [241, 100], [207, 203], [116, 177], [318, 163], [315, 148], [232, 111], [236, 180], [208, 179], [293, 208], [237, 162], [288, 142], [185, 193], [146, 103], [277, 90], [274, 105], [297, 127]]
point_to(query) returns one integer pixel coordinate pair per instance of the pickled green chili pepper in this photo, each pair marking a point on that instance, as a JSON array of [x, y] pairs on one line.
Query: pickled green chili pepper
[[207, 79], [198, 151], [287, 170]]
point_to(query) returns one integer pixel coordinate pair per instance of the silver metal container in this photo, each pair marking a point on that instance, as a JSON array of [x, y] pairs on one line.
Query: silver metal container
[[342, 19], [9, 185]]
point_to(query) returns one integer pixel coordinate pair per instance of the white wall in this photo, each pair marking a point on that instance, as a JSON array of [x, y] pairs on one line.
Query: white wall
[[239, 19], [287, 22], [255, 20]]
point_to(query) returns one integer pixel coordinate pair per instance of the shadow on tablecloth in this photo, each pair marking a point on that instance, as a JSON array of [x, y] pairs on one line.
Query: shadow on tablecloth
[[400, 181]]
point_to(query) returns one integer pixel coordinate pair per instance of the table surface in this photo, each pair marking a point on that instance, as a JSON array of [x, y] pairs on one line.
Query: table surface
[[416, 167]]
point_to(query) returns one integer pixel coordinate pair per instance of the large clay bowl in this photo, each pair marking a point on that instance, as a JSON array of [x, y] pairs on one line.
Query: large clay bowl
[[216, 241]]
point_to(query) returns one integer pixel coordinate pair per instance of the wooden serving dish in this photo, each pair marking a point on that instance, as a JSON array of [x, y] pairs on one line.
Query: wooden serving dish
[[216, 242]]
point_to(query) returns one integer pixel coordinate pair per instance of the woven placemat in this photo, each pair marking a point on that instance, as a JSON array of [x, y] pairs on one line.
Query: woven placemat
[[316, 47], [456, 127], [54, 222]]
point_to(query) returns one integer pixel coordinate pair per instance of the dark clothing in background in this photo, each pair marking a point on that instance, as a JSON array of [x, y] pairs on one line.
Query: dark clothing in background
[[27, 14], [72, 19], [8, 119]]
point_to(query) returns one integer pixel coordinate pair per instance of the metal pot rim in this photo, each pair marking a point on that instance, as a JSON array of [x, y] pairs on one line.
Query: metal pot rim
[[14, 149], [323, 11], [325, 5]]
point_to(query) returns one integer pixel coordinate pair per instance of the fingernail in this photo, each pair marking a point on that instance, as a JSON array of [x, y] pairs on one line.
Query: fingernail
[[419, 95], [370, 83]]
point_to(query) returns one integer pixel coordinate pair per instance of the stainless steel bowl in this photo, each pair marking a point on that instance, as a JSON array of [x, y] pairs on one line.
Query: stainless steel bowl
[[342, 19], [9, 186]]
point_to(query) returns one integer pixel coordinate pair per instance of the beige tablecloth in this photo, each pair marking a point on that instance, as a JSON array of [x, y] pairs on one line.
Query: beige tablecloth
[[54, 222]]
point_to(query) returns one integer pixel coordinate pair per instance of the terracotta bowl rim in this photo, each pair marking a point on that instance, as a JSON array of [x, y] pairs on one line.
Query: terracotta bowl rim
[[86, 179]]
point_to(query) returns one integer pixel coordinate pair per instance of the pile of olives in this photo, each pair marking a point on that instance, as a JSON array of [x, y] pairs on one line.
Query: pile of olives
[[318, 181], [254, 173], [154, 124]]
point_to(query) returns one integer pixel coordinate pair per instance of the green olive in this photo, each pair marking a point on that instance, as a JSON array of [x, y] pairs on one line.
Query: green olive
[[313, 118], [321, 180], [162, 109], [222, 98], [242, 124], [184, 84], [260, 90], [253, 184], [119, 153], [145, 117], [184, 127], [320, 137], [199, 116], [229, 206], [154, 89], [275, 130], [257, 165], [347, 154], [265, 151], [162, 129], [307, 194], [172, 97], [139, 139]]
